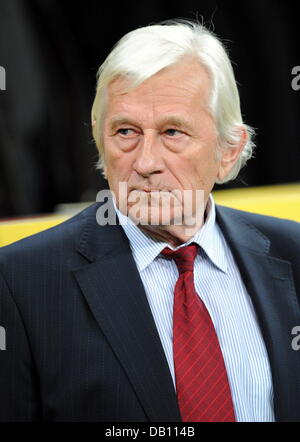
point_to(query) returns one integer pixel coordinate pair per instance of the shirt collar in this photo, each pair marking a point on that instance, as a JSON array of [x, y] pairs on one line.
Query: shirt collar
[[145, 248]]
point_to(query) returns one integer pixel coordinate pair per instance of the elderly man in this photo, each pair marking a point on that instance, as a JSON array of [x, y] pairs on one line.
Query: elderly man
[[179, 310]]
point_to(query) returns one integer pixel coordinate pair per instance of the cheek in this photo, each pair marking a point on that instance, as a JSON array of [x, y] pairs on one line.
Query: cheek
[[197, 170], [207, 168], [118, 165], [111, 152], [112, 156]]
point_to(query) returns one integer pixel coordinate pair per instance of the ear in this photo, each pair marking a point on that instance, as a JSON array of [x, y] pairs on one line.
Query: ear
[[229, 154]]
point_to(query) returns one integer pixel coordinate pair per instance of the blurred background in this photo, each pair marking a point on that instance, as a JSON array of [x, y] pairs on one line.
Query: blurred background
[[51, 51]]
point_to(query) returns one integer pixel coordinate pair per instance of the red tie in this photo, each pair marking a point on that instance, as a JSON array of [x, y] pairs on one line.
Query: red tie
[[202, 386]]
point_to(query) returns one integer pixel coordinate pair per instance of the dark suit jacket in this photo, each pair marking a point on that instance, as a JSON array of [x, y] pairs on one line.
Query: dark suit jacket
[[81, 342]]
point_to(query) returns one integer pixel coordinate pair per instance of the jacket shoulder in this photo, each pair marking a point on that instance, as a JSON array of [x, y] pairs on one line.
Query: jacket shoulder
[[67, 232], [283, 234]]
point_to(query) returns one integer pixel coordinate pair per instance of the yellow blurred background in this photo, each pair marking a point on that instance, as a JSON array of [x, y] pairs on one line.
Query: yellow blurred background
[[281, 201]]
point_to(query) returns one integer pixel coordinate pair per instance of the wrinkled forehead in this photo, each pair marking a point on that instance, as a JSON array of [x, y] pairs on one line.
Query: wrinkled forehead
[[180, 82]]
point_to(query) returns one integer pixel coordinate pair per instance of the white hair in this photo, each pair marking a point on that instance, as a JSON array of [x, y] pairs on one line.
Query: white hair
[[144, 52]]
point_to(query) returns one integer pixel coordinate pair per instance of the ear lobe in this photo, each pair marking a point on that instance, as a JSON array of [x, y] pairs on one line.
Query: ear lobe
[[231, 153]]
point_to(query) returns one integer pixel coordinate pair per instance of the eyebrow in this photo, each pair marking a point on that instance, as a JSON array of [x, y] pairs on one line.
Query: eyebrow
[[119, 120], [172, 120], [177, 121]]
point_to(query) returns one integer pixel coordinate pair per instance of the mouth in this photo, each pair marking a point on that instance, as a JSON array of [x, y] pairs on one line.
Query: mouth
[[149, 190], [145, 189]]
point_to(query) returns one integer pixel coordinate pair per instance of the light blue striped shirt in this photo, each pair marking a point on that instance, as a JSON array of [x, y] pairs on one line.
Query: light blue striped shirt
[[218, 282]]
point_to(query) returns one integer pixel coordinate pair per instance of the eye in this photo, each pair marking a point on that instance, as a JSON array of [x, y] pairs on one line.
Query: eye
[[126, 131], [173, 132]]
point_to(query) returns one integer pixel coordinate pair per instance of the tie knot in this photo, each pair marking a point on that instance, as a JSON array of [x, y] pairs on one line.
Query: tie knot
[[184, 257]]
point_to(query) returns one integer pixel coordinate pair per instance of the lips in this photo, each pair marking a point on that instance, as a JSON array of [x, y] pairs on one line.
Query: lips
[[148, 190]]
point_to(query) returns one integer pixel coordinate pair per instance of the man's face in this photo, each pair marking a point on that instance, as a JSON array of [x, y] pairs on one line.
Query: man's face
[[161, 136]]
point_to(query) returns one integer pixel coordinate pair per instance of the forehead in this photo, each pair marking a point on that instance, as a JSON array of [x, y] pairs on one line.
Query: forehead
[[186, 84]]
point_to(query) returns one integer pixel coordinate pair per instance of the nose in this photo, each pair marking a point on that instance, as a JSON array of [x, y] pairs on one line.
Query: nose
[[149, 156]]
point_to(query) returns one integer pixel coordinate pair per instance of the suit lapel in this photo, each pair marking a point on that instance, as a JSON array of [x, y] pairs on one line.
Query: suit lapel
[[115, 293], [270, 284]]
